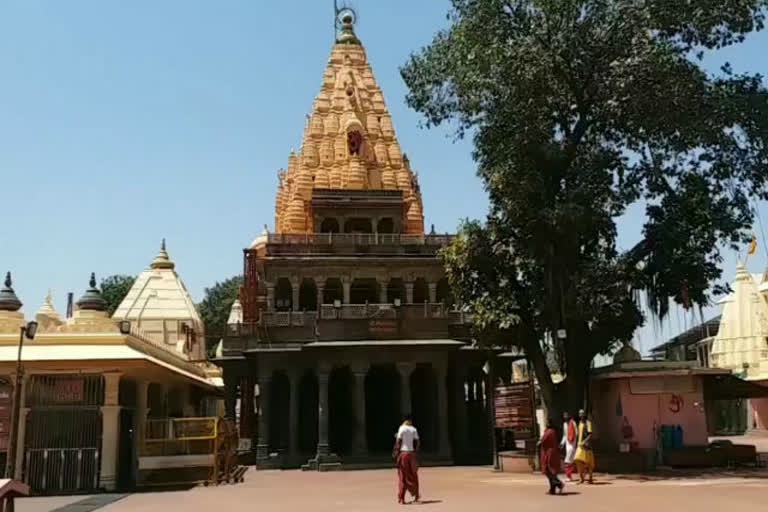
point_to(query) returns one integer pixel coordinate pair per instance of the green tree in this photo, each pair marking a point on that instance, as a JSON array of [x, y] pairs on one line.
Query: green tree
[[578, 110], [215, 307], [114, 289]]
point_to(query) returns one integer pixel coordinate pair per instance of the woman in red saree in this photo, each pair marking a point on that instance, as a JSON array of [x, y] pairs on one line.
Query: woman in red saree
[[550, 457]]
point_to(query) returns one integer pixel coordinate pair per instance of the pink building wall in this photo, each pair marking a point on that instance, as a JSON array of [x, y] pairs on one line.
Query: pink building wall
[[760, 413], [644, 411]]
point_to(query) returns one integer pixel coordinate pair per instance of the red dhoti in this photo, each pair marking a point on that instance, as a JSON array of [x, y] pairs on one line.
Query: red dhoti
[[407, 475]]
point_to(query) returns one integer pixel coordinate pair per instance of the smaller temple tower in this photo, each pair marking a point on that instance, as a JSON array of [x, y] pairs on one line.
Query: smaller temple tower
[[159, 306], [741, 343]]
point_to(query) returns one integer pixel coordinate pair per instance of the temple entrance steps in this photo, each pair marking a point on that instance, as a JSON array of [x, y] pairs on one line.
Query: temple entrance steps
[[378, 462]]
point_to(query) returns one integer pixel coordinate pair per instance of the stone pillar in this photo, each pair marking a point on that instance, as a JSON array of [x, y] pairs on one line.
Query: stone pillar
[[346, 283], [432, 293], [293, 412], [750, 426], [323, 448], [382, 291], [405, 370], [443, 443], [140, 419], [409, 293], [270, 297], [22, 425], [262, 442], [460, 412], [231, 382], [360, 442], [110, 431], [295, 289]]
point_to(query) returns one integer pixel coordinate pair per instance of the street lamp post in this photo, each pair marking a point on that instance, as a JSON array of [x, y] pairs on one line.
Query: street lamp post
[[29, 332]]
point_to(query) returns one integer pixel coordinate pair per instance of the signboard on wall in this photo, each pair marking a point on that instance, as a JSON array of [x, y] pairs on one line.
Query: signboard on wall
[[382, 328], [68, 391], [515, 409]]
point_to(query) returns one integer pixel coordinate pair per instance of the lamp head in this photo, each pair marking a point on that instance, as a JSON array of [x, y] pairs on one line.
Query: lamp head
[[30, 330]]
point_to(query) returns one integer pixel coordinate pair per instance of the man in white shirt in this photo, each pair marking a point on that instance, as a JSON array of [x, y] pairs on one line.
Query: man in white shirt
[[406, 444]]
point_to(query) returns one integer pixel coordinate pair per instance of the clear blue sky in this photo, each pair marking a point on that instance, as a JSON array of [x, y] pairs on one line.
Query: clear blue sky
[[125, 122]]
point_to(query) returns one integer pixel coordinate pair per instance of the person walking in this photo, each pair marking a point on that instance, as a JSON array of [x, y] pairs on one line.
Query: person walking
[[569, 443], [585, 458], [406, 445], [550, 457]]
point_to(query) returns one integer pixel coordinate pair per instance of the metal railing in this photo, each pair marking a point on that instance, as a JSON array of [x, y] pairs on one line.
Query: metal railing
[[349, 312], [182, 429], [211, 440], [49, 470], [288, 318], [359, 239]]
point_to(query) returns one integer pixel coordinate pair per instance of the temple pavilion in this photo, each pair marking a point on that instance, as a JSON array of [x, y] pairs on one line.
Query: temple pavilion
[[93, 385], [741, 344], [346, 319]]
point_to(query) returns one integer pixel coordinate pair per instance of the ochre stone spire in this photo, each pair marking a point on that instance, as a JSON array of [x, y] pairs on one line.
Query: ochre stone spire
[[349, 143]]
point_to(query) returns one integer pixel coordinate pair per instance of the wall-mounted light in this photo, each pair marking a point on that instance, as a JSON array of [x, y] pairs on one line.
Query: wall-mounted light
[[125, 327], [30, 330]]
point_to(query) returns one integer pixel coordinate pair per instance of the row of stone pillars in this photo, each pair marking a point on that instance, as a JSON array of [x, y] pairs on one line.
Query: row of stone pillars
[[346, 283], [359, 442]]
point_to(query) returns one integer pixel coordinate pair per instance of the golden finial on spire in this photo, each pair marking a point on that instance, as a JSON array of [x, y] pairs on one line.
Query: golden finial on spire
[[162, 260], [346, 17]]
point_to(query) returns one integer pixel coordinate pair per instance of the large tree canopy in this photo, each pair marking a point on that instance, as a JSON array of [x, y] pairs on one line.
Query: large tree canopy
[[216, 305], [114, 289], [578, 109]]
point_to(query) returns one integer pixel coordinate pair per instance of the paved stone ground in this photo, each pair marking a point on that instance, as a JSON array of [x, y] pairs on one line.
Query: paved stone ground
[[446, 489]]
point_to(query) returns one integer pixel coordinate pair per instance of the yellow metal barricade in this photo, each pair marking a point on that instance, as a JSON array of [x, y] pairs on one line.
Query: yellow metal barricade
[[193, 443]]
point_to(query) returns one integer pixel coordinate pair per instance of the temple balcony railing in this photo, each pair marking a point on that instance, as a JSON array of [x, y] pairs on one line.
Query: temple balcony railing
[[376, 243], [363, 312], [348, 322]]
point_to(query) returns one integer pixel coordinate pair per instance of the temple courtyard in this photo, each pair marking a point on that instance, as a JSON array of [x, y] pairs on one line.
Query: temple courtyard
[[450, 488]]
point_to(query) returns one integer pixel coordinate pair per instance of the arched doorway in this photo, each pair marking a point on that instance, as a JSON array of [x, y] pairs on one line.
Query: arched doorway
[[364, 290], [341, 413], [278, 409], [333, 291], [308, 393], [424, 405], [382, 407], [385, 226], [444, 294], [395, 290], [420, 291], [308, 295], [329, 225], [283, 295], [478, 440]]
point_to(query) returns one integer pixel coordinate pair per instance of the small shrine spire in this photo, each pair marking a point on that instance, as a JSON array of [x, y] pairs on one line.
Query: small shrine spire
[[8, 299], [92, 299], [162, 260]]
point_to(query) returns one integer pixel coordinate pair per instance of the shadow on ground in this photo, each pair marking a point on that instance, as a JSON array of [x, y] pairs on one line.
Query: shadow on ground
[[696, 473]]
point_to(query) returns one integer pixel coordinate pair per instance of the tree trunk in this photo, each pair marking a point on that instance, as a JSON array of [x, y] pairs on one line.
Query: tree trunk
[[568, 395]]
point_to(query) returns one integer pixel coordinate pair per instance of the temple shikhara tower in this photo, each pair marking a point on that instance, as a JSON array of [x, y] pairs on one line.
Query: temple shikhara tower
[[349, 144], [345, 320]]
